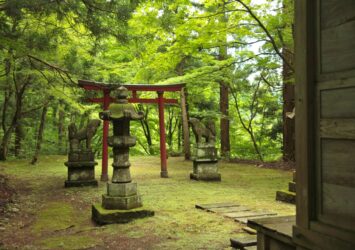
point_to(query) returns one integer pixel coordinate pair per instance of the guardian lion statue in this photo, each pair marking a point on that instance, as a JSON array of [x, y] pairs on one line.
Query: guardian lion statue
[[205, 130], [84, 134]]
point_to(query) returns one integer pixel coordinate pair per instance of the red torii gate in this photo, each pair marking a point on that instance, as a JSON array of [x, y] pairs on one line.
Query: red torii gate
[[106, 100]]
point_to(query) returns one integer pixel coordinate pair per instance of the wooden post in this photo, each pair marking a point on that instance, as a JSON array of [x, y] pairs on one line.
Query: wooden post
[[106, 103], [164, 170], [185, 125]]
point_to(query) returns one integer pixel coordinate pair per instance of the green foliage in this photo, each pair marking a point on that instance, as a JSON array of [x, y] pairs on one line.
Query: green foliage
[[51, 44]]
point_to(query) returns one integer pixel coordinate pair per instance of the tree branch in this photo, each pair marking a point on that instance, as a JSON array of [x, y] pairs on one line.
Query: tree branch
[[272, 40]]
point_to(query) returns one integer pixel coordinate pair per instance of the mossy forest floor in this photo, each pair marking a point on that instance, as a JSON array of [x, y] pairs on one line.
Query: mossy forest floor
[[45, 215]]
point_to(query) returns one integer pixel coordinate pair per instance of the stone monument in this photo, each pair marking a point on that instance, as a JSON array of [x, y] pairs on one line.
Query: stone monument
[[121, 203], [205, 163], [81, 160]]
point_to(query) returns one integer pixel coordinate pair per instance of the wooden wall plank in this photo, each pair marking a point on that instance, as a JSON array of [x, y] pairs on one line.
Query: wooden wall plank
[[335, 12], [338, 200], [337, 48], [337, 128], [338, 103]]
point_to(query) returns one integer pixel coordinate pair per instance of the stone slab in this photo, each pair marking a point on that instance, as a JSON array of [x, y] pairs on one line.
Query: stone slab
[[228, 209], [122, 189], [286, 196], [245, 214], [205, 177], [103, 216], [215, 205], [68, 184], [123, 203]]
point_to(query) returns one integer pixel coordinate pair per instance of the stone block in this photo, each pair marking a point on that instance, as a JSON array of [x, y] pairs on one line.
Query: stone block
[[205, 167], [206, 152], [81, 174], [122, 141], [121, 189], [81, 156], [80, 183], [123, 203], [205, 177], [205, 170], [103, 216], [292, 187], [285, 196]]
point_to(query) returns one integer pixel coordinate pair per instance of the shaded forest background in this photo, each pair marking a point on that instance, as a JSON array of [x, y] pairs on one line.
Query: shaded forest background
[[236, 58]]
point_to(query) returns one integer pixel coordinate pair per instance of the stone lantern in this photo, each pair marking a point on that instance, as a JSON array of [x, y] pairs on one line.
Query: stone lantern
[[121, 203]]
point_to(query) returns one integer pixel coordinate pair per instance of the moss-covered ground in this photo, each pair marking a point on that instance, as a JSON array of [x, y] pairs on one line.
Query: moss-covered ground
[[45, 215]]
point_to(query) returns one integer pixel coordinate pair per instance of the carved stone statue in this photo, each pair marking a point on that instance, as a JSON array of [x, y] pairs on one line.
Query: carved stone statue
[[205, 130], [205, 164], [81, 160], [122, 195], [84, 134]]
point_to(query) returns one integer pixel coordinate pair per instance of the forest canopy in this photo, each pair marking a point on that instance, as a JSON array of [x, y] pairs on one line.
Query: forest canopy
[[234, 56]]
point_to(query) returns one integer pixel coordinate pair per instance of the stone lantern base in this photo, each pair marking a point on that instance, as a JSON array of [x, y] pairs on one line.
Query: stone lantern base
[[121, 204], [105, 216], [205, 164], [81, 169]]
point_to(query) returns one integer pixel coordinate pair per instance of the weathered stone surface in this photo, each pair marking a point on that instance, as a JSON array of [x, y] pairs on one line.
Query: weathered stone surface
[[122, 189], [80, 183], [81, 174], [103, 216], [205, 170], [81, 156], [206, 152], [81, 160], [123, 203], [209, 177], [292, 187], [121, 175], [286, 196]]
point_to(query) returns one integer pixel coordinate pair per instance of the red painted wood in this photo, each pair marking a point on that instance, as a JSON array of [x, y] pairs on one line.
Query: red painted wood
[[136, 100], [104, 172], [106, 100], [164, 170], [146, 100]]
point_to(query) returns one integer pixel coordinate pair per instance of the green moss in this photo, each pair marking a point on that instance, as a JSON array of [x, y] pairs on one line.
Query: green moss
[[177, 224], [55, 216], [70, 242]]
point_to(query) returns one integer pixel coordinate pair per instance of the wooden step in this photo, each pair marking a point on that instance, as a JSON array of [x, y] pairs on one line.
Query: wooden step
[[243, 242], [286, 196], [292, 187]]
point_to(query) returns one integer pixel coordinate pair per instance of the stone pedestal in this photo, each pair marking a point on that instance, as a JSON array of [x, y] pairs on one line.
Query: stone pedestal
[[81, 169], [205, 164]]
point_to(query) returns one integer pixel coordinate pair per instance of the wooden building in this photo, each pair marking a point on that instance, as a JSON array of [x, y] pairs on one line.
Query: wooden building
[[325, 132], [325, 124]]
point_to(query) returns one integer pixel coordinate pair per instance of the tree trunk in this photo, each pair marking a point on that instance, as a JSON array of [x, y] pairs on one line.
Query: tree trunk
[[185, 124], [40, 134], [224, 95], [61, 117], [19, 134], [224, 106], [288, 118], [14, 122]]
